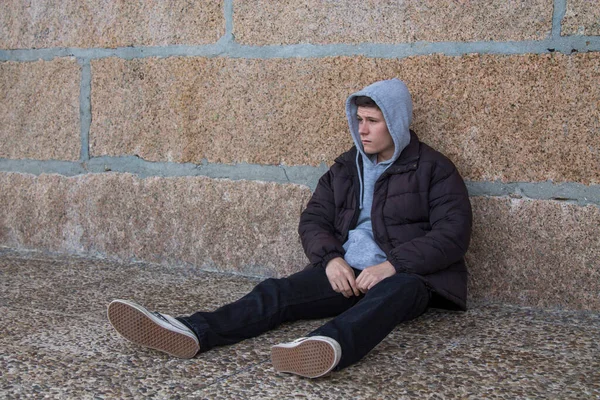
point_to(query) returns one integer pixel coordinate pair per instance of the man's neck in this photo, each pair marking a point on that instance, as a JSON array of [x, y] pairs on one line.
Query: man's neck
[[380, 159]]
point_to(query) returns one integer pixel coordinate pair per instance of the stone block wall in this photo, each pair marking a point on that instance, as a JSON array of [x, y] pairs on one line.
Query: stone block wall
[[192, 133]]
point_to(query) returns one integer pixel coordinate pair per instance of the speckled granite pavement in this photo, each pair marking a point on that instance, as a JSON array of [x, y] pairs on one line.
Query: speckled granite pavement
[[55, 341]]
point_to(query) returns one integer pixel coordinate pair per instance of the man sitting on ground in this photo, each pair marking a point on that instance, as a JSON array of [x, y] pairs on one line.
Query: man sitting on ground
[[385, 232]]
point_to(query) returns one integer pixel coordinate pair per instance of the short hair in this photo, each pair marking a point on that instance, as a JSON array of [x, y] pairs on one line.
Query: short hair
[[365, 101]]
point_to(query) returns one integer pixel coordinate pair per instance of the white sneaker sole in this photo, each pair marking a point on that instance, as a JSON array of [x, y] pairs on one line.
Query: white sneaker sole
[[138, 325], [309, 357]]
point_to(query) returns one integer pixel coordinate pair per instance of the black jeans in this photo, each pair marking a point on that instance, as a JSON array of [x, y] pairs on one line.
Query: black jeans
[[360, 323]]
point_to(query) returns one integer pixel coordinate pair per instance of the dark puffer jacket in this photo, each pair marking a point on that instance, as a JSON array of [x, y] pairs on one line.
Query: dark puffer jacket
[[421, 218]]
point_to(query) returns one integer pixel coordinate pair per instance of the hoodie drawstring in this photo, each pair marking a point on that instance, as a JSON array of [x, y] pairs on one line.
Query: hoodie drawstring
[[361, 187]]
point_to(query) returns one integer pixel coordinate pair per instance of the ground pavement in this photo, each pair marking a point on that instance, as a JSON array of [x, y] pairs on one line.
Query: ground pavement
[[56, 342]]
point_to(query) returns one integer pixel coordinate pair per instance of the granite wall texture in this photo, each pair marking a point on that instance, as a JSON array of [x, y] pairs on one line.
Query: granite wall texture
[[533, 252], [115, 23], [242, 226], [522, 251], [514, 118], [510, 92], [582, 18], [39, 109], [261, 22]]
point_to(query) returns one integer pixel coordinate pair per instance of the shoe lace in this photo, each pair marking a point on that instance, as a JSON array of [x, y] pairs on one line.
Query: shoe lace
[[159, 315]]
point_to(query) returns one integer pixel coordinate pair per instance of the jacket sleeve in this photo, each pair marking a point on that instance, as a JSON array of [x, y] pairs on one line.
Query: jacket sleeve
[[450, 218], [316, 228]]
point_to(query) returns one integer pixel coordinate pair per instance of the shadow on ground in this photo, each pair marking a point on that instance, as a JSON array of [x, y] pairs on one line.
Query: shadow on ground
[[56, 342]]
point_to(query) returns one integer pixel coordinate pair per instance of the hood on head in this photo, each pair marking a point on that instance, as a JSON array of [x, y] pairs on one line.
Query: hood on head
[[394, 100]]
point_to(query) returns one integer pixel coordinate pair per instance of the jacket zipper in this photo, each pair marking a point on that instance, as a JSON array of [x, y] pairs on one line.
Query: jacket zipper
[[357, 193], [357, 199]]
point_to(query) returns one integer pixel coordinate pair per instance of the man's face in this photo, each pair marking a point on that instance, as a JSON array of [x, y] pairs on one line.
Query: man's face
[[374, 134]]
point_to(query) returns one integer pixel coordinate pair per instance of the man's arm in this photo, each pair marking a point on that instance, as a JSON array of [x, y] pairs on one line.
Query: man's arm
[[316, 226], [320, 244], [450, 218]]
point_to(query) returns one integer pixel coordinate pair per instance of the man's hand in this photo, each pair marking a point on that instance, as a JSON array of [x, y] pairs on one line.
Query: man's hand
[[341, 277], [372, 275]]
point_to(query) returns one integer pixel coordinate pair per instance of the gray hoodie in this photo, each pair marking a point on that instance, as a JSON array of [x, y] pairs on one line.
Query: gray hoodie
[[393, 98]]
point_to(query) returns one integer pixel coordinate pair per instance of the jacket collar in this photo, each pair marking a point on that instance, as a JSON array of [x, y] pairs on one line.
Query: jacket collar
[[407, 161]]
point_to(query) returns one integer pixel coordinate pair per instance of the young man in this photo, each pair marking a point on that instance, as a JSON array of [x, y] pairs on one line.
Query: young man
[[385, 232]]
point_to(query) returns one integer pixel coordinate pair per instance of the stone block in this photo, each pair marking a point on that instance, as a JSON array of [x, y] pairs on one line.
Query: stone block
[[581, 18], [119, 23], [531, 252], [235, 226], [510, 118], [39, 110], [262, 22], [536, 253], [222, 110]]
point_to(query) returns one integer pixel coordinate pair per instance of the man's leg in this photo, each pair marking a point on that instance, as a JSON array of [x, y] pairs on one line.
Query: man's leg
[[361, 322], [304, 295], [358, 330]]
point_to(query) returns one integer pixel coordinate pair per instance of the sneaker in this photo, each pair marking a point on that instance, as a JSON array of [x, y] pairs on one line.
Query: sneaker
[[151, 329], [311, 357]]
